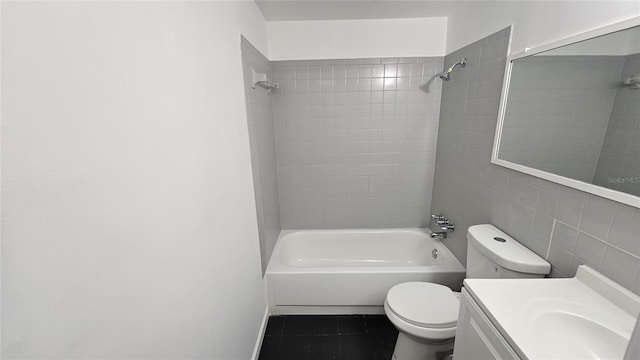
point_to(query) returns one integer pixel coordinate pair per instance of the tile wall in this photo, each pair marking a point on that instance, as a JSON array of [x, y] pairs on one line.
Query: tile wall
[[356, 141], [563, 225], [263, 157]]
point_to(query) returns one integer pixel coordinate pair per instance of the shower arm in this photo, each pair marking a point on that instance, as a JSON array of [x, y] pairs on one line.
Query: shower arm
[[445, 74], [462, 63]]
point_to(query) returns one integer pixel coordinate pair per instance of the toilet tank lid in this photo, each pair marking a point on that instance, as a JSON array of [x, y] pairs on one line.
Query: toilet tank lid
[[509, 253]]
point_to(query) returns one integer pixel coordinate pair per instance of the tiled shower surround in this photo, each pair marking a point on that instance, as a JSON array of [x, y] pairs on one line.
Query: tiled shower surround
[[263, 157], [356, 141], [563, 225]]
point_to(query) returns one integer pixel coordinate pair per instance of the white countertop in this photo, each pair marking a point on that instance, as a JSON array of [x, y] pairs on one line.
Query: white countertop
[[585, 317]]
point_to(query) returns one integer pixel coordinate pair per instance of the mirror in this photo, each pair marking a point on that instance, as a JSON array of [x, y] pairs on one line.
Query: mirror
[[570, 113]]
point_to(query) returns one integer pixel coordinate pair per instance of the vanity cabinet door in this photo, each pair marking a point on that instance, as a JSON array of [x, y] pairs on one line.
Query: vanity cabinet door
[[476, 337]]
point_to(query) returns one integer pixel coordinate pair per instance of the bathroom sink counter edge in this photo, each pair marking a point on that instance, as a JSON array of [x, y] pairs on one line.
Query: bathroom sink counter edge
[[587, 316]]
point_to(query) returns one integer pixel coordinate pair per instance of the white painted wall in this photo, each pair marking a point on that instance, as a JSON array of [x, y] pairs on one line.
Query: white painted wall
[[129, 224], [617, 44], [346, 39], [634, 44], [535, 22]]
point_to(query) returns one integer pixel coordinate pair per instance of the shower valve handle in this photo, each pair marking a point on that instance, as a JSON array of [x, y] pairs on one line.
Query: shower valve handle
[[448, 227]]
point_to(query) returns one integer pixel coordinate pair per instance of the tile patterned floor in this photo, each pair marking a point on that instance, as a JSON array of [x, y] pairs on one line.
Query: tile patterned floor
[[328, 337]]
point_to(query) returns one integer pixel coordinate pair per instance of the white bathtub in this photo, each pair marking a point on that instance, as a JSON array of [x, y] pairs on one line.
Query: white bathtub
[[350, 271]]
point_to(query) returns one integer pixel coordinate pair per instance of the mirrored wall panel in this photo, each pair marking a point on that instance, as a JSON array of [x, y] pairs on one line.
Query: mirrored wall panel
[[574, 111]]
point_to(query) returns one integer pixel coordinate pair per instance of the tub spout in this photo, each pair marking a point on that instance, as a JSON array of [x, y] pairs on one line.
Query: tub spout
[[439, 234]]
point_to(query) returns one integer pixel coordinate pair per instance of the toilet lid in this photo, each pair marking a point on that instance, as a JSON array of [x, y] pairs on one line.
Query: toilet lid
[[424, 304]]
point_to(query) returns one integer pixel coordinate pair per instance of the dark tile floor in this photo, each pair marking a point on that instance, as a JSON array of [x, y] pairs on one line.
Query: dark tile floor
[[328, 337]]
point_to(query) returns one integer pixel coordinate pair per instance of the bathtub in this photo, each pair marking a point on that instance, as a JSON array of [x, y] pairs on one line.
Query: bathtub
[[350, 271]]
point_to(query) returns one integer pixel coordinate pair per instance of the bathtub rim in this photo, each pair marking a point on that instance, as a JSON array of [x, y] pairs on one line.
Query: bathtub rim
[[276, 266]]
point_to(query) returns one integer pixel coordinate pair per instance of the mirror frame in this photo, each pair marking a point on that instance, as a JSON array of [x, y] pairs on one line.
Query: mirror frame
[[598, 190]]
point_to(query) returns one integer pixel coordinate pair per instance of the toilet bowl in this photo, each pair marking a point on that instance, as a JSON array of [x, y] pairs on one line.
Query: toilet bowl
[[426, 314]]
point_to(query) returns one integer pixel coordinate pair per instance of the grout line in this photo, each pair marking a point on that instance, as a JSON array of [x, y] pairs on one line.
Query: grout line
[[613, 220], [604, 253], [553, 228], [279, 345], [584, 204], [561, 273], [620, 249], [282, 326]]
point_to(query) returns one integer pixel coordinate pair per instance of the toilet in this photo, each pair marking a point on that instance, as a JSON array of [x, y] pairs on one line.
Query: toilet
[[426, 314]]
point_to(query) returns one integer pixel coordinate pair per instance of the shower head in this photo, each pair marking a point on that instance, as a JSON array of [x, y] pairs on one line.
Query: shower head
[[446, 75]]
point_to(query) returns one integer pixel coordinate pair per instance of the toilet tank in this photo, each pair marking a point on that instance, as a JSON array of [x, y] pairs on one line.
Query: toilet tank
[[493, 254]]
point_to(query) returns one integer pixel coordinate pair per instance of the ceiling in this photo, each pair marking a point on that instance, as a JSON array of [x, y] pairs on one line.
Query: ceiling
[[279, 10]]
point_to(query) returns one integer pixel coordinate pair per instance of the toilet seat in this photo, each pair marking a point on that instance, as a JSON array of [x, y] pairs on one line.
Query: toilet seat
[[423, 309]]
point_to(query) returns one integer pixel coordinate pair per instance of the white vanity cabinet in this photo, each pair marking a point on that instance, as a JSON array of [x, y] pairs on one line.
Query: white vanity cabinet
[[587, 316], [476, 337]]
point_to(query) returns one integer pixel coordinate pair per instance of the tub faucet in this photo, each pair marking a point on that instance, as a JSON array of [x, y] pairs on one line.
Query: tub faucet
[[439, 234]]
